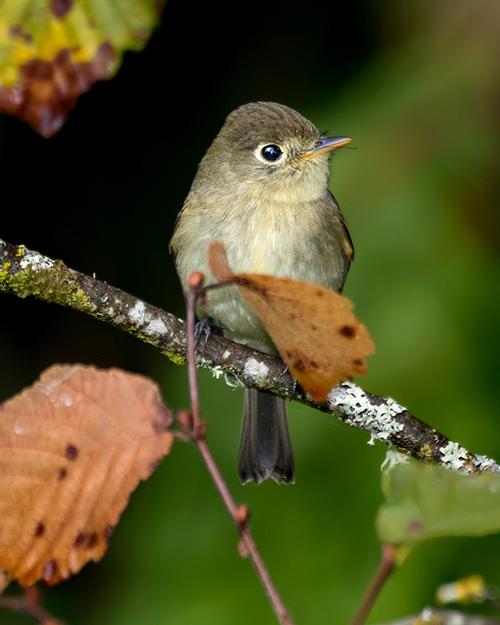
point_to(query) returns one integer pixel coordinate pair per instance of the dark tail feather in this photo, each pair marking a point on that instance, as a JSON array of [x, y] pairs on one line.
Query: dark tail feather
[[265, 446]]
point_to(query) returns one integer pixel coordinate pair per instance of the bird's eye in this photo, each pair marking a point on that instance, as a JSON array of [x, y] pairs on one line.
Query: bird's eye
[[271, 152]]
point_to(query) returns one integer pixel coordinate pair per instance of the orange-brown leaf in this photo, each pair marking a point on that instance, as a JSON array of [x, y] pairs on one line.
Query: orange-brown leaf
[[72, 449], [218, 263], [313, 328]]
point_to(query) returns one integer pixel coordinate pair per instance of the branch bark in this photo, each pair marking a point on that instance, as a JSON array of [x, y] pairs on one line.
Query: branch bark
[[445, 617], [26, 273]]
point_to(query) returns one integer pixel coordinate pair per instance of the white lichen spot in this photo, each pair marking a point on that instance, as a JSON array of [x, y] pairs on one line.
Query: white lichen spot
[[217, 372], [137, 313], [485, 464], [393, 457], [35, 261], [255, 370], [361, 412], [453, 456], [226, 354], [156, 326], [232, 382]]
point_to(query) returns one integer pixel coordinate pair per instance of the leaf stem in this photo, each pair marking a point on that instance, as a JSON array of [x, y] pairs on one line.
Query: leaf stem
[[384, 570]]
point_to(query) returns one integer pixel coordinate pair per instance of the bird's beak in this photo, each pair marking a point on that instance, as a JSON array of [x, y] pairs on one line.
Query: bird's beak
[[328, 144]]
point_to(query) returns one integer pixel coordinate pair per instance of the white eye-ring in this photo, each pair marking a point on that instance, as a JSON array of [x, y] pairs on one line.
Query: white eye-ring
[[269, 153]]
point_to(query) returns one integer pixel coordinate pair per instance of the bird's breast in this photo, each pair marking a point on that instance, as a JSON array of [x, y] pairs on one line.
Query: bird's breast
[[300, 240], [295, 240]]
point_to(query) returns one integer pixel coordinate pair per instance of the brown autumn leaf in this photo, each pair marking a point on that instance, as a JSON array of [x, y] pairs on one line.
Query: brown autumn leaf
[[72, 448], [317, 335]]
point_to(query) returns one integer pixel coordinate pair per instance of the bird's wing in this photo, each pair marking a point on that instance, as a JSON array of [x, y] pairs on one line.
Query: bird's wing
[[188, 202], [348, 244]]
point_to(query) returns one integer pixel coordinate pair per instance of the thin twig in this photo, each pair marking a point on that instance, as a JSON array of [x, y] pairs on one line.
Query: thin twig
[[385, 568], [191, 348], [29, 604], [239, 514]]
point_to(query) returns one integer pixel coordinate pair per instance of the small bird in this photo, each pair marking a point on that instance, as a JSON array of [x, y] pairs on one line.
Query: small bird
[[262, 189]]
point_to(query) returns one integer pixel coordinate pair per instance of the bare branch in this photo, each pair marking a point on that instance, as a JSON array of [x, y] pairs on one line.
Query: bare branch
[[26, 273]]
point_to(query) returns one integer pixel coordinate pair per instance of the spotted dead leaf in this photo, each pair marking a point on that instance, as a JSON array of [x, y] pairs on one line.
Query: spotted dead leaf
[[72, 448], [313, 328], [51, 51]]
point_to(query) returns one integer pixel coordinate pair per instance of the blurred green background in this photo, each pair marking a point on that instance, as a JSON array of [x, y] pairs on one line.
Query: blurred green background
[[417, 86]]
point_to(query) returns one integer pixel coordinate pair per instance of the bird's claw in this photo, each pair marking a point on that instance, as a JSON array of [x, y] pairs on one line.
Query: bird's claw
[[295, 382], [206, 326]]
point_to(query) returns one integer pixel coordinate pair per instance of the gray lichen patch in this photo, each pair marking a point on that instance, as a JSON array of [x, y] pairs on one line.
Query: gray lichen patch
[[361, 412], [145, 322]]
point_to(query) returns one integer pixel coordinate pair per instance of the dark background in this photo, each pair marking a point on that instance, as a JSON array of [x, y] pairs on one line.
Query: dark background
[[417, 86]]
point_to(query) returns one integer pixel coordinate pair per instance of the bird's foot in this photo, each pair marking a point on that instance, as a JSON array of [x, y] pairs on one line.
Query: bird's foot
[[207, 326]]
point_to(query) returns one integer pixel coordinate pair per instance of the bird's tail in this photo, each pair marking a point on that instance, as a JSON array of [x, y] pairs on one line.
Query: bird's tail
[[265, 446]]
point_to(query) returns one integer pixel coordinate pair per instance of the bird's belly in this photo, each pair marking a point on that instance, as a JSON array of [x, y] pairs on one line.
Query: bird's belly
[[239, 319], [276, 255]]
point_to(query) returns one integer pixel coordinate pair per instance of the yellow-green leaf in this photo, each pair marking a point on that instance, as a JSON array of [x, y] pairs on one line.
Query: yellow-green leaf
[[51, 51], [425, 501]]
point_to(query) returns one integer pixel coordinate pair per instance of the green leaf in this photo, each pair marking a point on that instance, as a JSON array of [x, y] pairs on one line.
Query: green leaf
[[51, 51], [425, 501]]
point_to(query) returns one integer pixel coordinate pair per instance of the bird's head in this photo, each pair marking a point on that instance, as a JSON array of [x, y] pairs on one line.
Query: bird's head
[[274, 148]]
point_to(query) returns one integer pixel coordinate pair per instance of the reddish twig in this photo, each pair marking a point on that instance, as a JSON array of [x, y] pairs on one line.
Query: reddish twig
[[29, 603], [239, 514], [385, 568]]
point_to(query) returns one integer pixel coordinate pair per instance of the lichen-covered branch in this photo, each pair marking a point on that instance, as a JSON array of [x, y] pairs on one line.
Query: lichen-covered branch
[[27, 273], [445, 617]]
